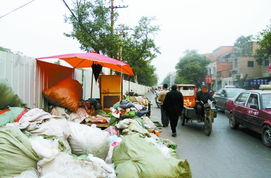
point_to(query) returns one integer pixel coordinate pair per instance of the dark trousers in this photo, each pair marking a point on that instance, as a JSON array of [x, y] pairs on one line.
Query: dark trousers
[[164, 117], [173, 122], [200, 109]]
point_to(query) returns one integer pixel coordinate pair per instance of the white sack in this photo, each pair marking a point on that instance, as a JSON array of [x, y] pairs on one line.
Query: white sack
[[88, 140], [31, 173], [54, 127], [148, 123], [66, 166]]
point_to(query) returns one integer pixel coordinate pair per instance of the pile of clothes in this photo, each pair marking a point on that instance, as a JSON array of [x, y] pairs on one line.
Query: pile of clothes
[[42, 144]]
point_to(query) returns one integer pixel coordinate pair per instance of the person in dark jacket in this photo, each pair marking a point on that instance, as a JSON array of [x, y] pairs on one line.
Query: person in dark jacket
[[173, 105], [202, 98]]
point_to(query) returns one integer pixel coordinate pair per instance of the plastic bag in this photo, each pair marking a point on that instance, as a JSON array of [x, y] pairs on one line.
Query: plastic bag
[[66, 93], [88, 140], [66, 166]]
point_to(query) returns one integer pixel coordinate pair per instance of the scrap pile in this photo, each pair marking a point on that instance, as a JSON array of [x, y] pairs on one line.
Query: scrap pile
[[35, 143]]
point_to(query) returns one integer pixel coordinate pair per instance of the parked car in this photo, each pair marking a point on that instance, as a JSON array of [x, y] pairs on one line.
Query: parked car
[[252, 109], [225, 94]]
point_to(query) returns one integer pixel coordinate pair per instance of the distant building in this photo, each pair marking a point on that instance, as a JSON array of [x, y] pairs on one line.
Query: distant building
[[228, 67], [220, 67]]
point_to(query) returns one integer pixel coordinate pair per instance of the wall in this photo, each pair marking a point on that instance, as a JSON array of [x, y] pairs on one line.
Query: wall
[[137, 88], [28, 78], [224, 68], [18, 72], [252, 72]]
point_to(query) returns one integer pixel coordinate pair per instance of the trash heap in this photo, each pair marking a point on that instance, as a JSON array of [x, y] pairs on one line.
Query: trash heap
[[121, 143]]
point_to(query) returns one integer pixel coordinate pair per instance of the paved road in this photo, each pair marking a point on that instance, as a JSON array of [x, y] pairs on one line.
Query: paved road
[[226, 153]]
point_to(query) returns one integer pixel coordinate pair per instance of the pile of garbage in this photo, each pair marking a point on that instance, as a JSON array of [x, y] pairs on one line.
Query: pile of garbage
[[35, 143]]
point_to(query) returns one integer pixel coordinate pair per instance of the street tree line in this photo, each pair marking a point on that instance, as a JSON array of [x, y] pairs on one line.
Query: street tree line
[[191, 68], [93, 26]]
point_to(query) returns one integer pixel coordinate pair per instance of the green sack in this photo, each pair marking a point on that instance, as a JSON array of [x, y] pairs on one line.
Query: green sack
[[10, 116], [8, 98], [16, 153], [136, 158]]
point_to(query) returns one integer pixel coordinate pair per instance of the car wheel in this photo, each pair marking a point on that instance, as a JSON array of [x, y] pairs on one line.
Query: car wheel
[[232, 122], [266, 136]]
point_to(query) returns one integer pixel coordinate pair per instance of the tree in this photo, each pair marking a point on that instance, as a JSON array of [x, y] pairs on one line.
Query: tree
[[243, 46], [191, 68], [264, 41], [139, 49], [92, 28]]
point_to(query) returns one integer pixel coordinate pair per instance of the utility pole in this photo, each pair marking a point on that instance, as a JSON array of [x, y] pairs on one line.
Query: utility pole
[[113, 7], [112, 16]]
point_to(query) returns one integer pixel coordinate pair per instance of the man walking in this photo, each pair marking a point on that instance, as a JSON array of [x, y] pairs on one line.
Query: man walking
[[161, 98], [173, 104]]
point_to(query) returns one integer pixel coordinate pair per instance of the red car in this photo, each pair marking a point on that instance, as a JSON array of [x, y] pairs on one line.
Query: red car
[[252, 109]]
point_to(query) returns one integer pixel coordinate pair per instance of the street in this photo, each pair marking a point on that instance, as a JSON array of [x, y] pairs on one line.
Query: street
[[226, 153]]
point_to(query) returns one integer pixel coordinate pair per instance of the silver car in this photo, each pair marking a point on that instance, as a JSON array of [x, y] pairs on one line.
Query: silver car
[[225, 94]]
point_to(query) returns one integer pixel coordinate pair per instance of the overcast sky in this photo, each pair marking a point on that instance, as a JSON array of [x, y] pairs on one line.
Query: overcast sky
[[37, 29]]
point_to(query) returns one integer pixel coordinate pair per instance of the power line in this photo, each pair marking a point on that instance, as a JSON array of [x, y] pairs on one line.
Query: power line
[[16, 9]]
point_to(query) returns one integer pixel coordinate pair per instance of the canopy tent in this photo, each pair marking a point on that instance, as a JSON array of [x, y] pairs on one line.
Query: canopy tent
[[94, 60], [84, 60]]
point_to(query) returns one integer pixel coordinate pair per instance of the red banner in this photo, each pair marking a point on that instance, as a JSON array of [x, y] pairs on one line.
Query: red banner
[[269, 67], [208, 79]]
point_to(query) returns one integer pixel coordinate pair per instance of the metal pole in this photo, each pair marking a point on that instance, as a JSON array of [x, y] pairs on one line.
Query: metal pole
[[91, 85]]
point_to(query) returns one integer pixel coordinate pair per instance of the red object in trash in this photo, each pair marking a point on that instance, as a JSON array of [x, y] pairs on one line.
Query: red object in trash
[[66, 93], [3, 111], [21, 115]]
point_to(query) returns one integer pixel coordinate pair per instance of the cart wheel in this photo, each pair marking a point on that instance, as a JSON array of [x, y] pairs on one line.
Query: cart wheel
[[207, 126], [183, 120]]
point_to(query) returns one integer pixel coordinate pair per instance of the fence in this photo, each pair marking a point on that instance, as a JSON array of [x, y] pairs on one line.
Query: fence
[[28, 78]]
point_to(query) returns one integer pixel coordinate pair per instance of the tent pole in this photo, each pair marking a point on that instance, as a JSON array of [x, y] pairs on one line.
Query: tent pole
[[91, 85]]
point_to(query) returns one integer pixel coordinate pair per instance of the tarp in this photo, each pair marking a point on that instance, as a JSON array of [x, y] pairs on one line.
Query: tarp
[[16, 153], [136, 158], [83, 60]]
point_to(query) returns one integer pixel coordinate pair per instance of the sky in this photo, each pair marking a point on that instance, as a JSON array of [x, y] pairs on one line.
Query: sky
[[37, 29]]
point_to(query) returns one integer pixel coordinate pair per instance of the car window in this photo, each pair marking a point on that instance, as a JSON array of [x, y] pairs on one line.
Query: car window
[[253, 101], [219, 91], [266, 100], [233, 92], [241, 99]]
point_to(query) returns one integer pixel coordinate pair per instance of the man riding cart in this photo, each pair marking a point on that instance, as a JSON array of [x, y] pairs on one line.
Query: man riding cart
[[198, 106]]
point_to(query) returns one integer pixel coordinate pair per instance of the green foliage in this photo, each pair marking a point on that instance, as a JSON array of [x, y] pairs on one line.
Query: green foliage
[[138, 49], [92, 28], [8, 98], [191, 68], [264, 50], [243, 46]]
